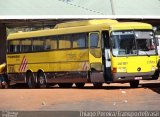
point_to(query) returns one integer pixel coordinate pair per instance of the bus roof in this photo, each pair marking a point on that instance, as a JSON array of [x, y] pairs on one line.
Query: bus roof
[[130, 26], [85, 23], [81, 26]]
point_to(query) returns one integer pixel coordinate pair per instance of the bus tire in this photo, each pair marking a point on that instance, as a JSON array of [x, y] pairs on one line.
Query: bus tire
[[65, 85], [134, 84], [98, 85], [30, 80], [79, 85], [41, 80], [4, 85], [156, 75]]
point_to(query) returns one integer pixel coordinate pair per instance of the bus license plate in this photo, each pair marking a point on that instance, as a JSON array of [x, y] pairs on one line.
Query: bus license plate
[[138, 78]]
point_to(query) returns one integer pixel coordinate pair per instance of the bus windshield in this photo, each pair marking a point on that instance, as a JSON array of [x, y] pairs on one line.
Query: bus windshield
[[129, 43]]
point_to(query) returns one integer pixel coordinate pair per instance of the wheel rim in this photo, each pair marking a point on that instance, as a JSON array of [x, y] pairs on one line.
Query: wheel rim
[[42, 81], [30, 84], [31, 81]]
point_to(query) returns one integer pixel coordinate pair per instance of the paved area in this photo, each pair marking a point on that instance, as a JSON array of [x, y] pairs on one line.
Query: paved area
[[110, 97]]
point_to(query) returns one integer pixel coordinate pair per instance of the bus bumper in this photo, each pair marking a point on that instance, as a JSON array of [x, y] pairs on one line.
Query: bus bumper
[[126, 77]]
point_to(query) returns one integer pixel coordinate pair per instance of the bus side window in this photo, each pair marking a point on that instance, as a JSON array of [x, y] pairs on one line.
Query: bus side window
[[79, 40], [47, 45], [14, 46], [54, 43], [95, 49], [38, 44], [26, 45], [64, 41], [94, 40], [50, 43]]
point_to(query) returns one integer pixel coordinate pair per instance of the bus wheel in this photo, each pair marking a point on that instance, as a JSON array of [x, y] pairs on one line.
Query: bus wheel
[[30, 80], [65, 85], [156, 75], [80, 85], [41, 80], [97, 85], [4, 85], [134, 84]]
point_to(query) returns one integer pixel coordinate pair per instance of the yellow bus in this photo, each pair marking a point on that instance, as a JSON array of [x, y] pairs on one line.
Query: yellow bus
[[89, 51]]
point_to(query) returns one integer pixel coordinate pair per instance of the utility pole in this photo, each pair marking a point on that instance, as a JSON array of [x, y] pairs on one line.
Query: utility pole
[[112, 7]]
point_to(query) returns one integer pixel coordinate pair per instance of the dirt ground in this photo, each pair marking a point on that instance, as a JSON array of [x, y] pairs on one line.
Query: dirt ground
[[110, 97]]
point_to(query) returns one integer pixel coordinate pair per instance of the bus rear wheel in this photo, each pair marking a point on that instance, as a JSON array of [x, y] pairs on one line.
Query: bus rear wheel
[[79, 85], [134, 84], [42, 80], [4, 85], [65, 85], [30, 80]]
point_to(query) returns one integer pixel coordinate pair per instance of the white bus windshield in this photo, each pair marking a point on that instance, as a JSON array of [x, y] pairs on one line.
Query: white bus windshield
[[129, 43]]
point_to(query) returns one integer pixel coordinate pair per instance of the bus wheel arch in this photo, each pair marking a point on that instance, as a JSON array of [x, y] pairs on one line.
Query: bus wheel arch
[[30, 79], [41, 79]]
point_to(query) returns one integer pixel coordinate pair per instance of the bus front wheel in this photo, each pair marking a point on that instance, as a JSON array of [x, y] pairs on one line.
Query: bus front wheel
[[134, 84], [79, 85]]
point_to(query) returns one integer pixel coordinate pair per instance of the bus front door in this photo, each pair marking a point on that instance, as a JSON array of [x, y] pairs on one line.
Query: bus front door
[[95, 58]]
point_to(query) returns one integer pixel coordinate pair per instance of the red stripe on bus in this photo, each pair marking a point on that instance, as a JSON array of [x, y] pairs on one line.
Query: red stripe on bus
[[20, 67], [24, 64]]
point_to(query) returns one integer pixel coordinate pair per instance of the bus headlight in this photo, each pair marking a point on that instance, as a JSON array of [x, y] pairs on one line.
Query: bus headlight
[[154, 68], [122, 69], [118, 69]]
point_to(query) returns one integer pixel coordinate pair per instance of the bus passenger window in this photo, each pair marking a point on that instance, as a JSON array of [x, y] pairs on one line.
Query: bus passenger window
[[95, 45], [47, 45], [79, 40], [50, 43], [26, 45], [14, 46], [54, 43], [64, 42], [94, 40], [38, 45]]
